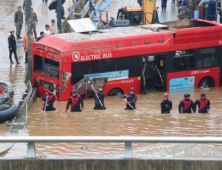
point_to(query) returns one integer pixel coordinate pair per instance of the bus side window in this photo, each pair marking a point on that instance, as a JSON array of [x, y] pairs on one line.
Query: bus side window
[[184, 60], [207, 58]]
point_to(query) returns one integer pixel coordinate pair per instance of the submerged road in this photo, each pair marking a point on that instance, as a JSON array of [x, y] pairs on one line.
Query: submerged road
[[114, 121]]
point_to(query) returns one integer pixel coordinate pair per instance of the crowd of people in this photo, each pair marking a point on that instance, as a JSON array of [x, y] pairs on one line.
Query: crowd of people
[[49, 29], [187, 105], [76, 101]]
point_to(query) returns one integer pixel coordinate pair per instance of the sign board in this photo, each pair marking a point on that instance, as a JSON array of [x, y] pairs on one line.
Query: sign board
[[82, 25], [183, 83], [114, 75]]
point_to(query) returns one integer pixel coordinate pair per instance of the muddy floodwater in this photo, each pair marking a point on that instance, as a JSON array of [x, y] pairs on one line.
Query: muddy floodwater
[[117, 122]]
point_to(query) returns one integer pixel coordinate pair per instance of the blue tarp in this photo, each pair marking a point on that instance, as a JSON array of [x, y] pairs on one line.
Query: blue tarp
[[96, 10]]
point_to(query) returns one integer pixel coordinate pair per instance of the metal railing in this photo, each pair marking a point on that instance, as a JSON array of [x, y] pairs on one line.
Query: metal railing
[[128, 152]]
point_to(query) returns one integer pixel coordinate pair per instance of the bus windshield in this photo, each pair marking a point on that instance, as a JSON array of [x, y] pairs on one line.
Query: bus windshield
[[46, 67]]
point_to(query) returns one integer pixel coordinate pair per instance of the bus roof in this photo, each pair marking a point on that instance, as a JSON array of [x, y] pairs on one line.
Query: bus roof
[[62, 42]]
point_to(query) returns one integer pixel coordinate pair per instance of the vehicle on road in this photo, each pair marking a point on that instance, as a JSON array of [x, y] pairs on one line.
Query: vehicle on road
[[177, 55]]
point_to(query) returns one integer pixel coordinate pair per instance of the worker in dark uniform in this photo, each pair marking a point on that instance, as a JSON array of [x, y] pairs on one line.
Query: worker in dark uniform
[[203, 104], [75, 100], [131, 99], [99, 97], [166, 104], [25, 6], [34, 22], [12, 47], [18, 18], [49, 99], [186, 105]]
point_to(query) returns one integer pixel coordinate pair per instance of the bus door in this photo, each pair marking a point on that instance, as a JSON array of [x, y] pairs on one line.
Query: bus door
[[159, 65]]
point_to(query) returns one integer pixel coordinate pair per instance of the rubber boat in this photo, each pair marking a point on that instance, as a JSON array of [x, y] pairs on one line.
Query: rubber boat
[[6, 94], [8, 112]]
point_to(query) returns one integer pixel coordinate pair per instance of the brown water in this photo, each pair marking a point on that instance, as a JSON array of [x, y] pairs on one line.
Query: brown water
[[112, 122], [117, 122]]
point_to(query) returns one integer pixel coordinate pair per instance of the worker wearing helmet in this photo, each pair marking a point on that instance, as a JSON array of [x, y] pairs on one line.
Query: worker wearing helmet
[[99, 98], [186, 105], [203, 104], [49, 99], [75, 100], [131, 99], [166, 104]]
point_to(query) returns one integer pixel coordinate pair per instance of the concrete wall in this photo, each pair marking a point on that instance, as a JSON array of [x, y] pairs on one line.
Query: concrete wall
[[109, 164]]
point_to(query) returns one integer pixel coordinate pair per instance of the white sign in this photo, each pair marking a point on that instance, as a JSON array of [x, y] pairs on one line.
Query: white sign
[[77, 57]]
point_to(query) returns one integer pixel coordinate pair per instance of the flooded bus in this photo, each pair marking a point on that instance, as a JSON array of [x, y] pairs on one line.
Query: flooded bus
[[171, 56]]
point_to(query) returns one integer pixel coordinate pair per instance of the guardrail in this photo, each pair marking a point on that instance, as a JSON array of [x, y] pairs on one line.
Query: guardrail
[[128, 152]]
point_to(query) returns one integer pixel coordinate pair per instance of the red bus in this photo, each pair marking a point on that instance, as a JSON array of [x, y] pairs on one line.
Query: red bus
[[177, 55]]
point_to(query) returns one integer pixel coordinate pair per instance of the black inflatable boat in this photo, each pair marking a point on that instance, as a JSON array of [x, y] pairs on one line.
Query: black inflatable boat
[[8, 112], [6, 94]]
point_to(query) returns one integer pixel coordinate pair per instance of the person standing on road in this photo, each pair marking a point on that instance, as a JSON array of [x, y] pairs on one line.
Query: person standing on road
[[75, 100], [46, 1], [62, 12], [49, 99], [101, 95], [18, 18], [47, 31], [71, 5], [25, 7], [12, 47], [25, 44], [77, 12], [166, 104], [203, 104], [131, 99], [186, 104], [41, 36], [52, 27], [163, 5], [34, 22]]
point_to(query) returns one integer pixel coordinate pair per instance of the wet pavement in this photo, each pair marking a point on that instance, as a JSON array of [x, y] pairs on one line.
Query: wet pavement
[[114, 121]]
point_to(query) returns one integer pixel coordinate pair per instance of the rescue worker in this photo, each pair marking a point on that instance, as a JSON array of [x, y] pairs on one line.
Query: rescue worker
[[25, 44], [34, 22], [131, 99], [12, 47], [75, 100], [18, 19], [203, 104], [49, 99], [1, 90], [101, 95], [25, 6], [187, 105], [166, 104]]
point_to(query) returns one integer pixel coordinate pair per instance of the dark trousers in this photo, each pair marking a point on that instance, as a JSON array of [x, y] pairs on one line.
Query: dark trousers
[[26, 57], [15, 55], [45, 1]]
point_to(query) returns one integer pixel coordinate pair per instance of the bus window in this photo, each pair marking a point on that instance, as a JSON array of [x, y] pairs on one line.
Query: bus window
[[184, 60], [207, 58], [133, 64], [46, 67]]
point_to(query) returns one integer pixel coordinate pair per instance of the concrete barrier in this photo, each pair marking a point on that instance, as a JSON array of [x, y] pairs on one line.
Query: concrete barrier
[[110, 164]]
